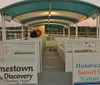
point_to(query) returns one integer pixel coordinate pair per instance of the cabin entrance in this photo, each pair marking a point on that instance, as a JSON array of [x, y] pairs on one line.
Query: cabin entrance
[[51, 59]]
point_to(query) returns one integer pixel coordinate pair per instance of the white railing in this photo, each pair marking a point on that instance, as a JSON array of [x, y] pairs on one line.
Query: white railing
[[23, 51], [82, 45], [78, 47], [1, 51], [59, 40]]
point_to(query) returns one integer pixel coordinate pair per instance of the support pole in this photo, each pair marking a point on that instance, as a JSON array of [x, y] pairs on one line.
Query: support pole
[[63, 32], [97, 27], [76, 31], [68, 31], [3, 28], [28, 33], [22, 32]]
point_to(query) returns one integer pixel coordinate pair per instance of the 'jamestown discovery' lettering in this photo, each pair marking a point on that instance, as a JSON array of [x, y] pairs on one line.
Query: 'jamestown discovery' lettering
[[17, 76], [16, 69], [17, 73]]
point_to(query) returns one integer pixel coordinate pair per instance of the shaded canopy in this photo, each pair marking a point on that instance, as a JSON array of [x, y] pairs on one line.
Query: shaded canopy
[[59, 12]]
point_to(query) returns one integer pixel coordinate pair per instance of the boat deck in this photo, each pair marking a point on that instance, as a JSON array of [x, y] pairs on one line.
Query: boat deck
[[55, 76], [53, 69]]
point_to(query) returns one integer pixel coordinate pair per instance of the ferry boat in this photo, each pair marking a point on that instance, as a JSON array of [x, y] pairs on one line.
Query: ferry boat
[[60, 60]]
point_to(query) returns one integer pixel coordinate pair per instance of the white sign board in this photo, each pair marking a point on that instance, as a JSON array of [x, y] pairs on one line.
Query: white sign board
[[18, 73], [86, 69]]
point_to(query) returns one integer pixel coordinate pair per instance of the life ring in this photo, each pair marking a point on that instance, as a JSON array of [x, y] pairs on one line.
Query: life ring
[[39, 33]]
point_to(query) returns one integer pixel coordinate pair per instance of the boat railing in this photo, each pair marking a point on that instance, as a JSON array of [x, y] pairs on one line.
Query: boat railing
[[23, 51], [77, 47]]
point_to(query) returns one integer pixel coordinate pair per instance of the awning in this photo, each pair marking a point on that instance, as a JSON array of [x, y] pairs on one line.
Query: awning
[[62, 12]]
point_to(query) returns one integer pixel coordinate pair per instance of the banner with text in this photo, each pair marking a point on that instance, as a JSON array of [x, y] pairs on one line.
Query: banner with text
[[86, 69], [18, 73]]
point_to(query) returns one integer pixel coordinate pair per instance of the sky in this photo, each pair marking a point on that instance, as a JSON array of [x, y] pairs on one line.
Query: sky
[[88, 22]]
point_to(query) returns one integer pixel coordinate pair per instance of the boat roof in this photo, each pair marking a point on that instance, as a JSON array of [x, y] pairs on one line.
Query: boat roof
[[59, 12]]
